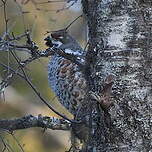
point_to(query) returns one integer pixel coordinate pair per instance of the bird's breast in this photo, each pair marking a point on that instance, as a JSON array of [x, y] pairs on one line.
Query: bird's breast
[[67, 81]]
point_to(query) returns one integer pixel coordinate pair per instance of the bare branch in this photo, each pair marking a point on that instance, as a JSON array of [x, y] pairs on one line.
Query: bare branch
[[59, 1], [35, 90], [34, 121], [35, 54], [6, 145], [18, 143], [67, 27], [5, 15]]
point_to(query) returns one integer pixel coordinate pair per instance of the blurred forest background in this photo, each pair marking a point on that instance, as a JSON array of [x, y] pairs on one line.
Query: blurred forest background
[[18, 99]]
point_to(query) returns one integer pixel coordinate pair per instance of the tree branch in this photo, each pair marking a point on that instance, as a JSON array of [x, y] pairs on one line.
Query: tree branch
[[35, 54], [34, 121]]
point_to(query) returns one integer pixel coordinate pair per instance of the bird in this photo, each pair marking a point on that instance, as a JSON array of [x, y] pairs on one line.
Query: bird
[[65, 77]]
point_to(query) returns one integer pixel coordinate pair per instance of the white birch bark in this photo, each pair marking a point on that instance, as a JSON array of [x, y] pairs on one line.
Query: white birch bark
[[120, 31]]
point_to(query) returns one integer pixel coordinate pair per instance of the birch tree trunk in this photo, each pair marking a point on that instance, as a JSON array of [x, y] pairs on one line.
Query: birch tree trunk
[[120, 35]]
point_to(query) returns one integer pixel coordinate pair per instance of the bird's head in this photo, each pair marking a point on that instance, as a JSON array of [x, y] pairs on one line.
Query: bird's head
[[62, 40], [58, 38]]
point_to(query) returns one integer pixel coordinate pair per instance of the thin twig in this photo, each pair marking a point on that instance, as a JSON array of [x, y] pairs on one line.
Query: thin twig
[[5, 15], [17, 142], [73, 21], [67, 27], [59, 1], [25, 77]]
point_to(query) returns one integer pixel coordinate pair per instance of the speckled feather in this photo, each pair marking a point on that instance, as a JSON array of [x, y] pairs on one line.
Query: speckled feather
[[66, 80]]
